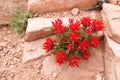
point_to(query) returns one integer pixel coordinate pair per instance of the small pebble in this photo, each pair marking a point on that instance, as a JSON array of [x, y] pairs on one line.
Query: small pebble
[[54, 75], [75, 11]]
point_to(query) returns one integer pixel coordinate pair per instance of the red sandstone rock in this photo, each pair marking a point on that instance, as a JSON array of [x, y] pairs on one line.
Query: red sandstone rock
[[111, 20], [41, 6], [115, 1], [112, 53]]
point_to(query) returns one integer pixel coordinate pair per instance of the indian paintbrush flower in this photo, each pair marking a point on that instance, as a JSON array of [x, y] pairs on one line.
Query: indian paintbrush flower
[[72, 42]]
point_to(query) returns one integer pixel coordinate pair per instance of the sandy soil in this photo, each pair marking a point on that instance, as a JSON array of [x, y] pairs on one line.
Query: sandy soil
[[11, 67]]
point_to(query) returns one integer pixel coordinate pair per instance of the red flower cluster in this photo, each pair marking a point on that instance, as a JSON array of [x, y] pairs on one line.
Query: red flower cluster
[[86, 21], [48, 45], [97, 25], [58, 27], [83, 46], [74, 26], [94, 41], [61, 57], [73, 42], [73, 37], [74, 61]]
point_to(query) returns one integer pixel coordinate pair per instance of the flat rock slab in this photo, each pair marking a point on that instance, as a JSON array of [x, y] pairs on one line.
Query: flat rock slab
[[42, 6], [33, 50], [114, 46], [41, 27], [111, 18], [87, 70], [112, 54]]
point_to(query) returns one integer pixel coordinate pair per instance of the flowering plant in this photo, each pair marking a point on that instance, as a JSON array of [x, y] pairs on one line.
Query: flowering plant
[[73, 42]]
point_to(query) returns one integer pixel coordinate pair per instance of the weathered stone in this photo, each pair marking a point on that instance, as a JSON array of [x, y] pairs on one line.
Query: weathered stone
[[7, 8], [111, 20], [75, 11], [88, 70], [41, 6], [33, 50], [112, 52], [115, 1], [41, 27]]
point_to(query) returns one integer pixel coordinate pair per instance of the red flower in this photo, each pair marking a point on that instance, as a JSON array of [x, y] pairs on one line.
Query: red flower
[[94, 42], [86, 21], [54, 40], [74, 61], [97, 25], [70, 46], [83, 46], [61, 57], [86, 55], [71, 20], [48, 45], [88, 30], [58, 27], [74, 26], [73, 37]]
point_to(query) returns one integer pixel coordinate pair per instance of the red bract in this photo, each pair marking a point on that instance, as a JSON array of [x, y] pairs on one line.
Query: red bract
[[61, 57], [73, 37], [86, 21], [58, 27], [88, 30], [54, 40], [94, 42], [48, 45], [83, 46], [86, 55], [74, 61], [71, 20], [74, 26], [97, 25], [70, 46]]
